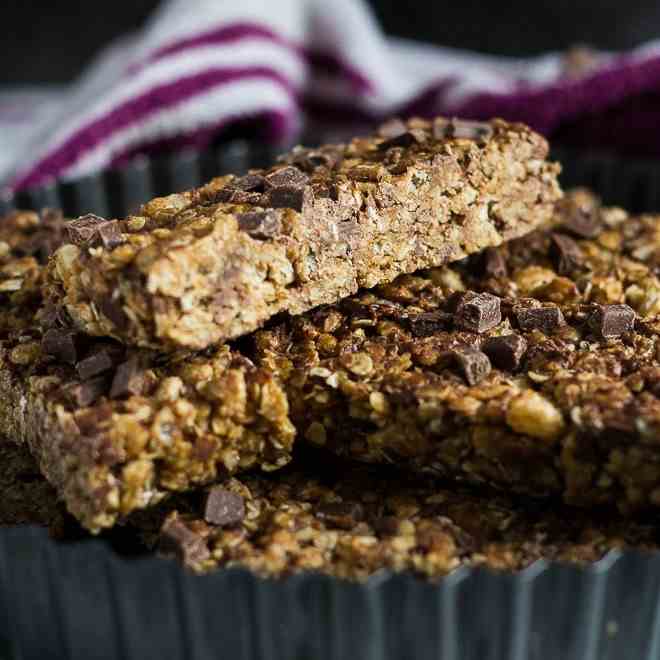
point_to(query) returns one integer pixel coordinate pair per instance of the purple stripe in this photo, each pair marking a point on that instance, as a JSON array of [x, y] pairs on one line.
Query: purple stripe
[[546, 109], [137, 109], [273, 125], [329, 63]]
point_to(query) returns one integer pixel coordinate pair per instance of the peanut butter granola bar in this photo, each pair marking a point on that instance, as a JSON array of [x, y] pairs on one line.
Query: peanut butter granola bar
[[534, 368], [115, 429], [351, 522], [198, 268]]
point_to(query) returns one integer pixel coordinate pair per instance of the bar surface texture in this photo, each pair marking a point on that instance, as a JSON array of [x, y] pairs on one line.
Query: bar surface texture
[[115, 429], [198, 268], [533, 367]]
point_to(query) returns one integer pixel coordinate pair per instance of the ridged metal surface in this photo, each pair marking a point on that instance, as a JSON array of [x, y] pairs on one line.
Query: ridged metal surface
[[83, 601]]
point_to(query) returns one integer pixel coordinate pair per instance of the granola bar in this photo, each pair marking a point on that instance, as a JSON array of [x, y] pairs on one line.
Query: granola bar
[[198, 268], [534, 368], [115, 429], [352, 522]]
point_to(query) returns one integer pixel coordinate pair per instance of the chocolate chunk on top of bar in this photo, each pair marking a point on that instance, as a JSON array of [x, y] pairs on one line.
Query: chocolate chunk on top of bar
[[128, 379], [473, 363], [506, 351], [223, 507], [461, 129], [612, 320], [61, 344], [91, 230], [286, 188], [406, 139], [547, 319], [344, 515], [566, 253], [477, 312], [260, 224], [580, 221]]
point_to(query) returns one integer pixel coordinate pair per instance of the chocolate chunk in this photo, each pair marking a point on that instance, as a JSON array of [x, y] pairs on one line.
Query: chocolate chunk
[[83, 230], [407, 139], [477, 312], [612, 320], [223, 507], [260, 224], [344, 515], [289, 177], [474, 364], [91, 230], [310, 160], [461, 129], [113, 311], [505, 352], [128, 379], [249, 183], [392, 128], [61, 344], [95, 364], [582, 222], [178, 540], [428, 323], [494, 264], [387, 525], [86, 393], [565, 253], [545, 319], [286, 197], [110, 234]]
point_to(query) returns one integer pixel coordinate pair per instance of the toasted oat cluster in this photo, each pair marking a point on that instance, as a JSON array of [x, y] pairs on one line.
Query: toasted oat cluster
[[198, 268], [351, 522], [116, 429], [534, 368]]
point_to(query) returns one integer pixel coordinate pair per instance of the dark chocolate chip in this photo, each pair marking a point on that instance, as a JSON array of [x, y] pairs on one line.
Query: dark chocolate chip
[[494, 263], [249, 183], [392, 128], [52, 316], [565, 253], [128, 379], [505, 352], [178, 540], [545, 319], [286, 197], [237, 197], [344, 515], [428, 323], [84, 230], [289, 177], [223, 507], [310, 160], [260, 224], [407, 139], [113, 311], [110, 234], [474, 364], [612, 320], [86, 393], [581, 222], [61, 344], [95, 364], [477, 312]]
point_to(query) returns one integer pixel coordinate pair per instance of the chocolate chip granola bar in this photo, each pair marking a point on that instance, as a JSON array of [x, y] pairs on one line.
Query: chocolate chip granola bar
[[534, 368], [351, 522], [198, 268], [116, 429]]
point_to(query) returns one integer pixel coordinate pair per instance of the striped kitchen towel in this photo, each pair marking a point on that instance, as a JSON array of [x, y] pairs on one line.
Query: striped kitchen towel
[[200, 67]]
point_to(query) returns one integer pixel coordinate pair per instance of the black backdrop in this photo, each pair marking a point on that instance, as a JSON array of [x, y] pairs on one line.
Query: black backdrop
[[50, 40]]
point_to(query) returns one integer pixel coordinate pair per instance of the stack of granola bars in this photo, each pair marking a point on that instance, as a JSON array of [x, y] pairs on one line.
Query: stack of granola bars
[[406, 352]]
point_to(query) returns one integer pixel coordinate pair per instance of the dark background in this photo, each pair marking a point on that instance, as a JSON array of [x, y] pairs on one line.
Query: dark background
[[50, 41]]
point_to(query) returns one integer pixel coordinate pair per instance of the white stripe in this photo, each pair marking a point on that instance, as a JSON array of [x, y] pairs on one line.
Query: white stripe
[[244, 97], [253, 52]]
